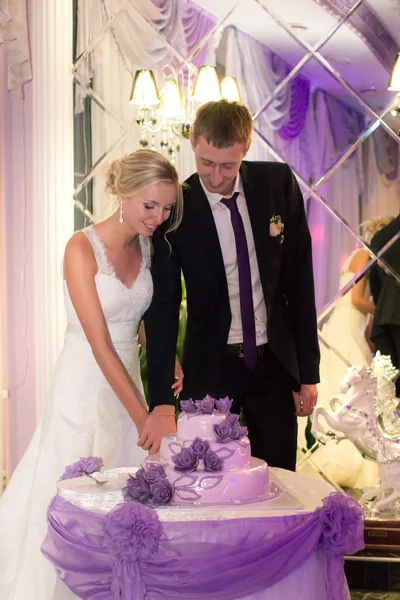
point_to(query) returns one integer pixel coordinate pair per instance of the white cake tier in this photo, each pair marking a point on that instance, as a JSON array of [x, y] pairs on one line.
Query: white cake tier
[[235, 454], [191, 426], [226, 487]]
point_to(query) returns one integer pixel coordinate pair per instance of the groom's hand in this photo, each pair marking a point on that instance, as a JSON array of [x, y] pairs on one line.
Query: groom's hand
[[178, 376], [305, 400], [160, 422]]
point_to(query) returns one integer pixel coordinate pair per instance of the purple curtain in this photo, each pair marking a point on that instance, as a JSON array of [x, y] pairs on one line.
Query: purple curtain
[[299, 102], [196, 23], [129, 554]]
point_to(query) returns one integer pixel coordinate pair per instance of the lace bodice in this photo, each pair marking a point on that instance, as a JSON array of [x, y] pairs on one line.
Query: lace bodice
[[120, 304]]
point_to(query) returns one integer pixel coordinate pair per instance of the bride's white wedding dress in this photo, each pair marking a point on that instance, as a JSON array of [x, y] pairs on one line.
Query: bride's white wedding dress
[[345, 331], [83, 418]]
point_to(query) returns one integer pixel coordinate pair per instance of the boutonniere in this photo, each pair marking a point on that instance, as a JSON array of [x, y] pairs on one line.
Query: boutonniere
[[276, 227]]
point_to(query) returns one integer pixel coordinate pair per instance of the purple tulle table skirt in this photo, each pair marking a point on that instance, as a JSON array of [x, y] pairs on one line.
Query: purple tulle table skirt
[[130, 553]]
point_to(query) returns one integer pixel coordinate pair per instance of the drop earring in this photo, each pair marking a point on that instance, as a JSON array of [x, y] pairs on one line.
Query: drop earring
[[121, 212]]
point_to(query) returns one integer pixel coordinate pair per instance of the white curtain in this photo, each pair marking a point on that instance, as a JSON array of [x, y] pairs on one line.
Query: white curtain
[[53, 179], [109, 69], [15, 41], [15, 72], [381, 193], [3, 344]]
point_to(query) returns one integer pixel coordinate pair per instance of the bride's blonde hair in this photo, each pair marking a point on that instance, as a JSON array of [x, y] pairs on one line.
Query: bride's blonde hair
[[369, 228], [137, 170]]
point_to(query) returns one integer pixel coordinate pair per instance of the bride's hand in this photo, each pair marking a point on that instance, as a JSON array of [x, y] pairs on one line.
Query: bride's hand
[[140, 420], [159, 423]]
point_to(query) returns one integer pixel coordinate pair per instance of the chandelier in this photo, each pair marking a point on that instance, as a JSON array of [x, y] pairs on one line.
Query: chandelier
[[168, 112]]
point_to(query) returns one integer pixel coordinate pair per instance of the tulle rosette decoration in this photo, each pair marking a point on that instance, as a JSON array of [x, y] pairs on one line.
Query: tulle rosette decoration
[[132, 534], [342, 521]]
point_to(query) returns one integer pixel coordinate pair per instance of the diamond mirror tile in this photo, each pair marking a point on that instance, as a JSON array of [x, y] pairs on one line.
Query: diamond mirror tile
[[314, 73]]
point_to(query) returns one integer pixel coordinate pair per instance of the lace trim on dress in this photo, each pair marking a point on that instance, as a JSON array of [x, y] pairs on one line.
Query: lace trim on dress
[[99, 251], [145, 245], [104, 267]]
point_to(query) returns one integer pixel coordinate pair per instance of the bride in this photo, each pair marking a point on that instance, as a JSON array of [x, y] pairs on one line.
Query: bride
[[97, 405], [345, 331]]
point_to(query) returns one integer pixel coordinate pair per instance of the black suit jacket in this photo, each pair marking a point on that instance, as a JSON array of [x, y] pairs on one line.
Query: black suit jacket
[[286, 276], [384, 287]]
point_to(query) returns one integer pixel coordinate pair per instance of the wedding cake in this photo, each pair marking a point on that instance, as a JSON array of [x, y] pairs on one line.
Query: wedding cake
[[207, 462]]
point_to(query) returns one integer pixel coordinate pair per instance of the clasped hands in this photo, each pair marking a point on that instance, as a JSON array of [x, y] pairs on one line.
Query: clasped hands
[[161, 421]]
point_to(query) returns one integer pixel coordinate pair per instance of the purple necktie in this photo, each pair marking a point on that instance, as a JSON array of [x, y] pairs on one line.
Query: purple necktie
[[245, 288]]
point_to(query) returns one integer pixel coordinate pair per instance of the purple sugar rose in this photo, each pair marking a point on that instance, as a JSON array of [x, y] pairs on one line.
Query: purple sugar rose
[[138, 488], [212, 462], [162, 492], [223, 405], [223, 431], [154, 472], [230, 429], [205, 406], [188, 406], [87, 465], [200, 447], [232, 419], [238, 432], [185, 460], [139, 474]]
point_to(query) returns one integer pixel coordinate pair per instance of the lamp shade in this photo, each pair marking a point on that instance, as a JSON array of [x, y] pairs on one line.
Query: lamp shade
[[206, 86], [394, 83], [230, 89], [171, 99], [144, 89]]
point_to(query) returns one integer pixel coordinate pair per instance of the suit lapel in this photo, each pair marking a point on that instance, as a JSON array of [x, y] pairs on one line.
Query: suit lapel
[[204, 224], [268, 249]]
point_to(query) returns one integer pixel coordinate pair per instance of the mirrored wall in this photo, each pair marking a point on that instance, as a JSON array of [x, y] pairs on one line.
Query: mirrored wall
[[314, 74]]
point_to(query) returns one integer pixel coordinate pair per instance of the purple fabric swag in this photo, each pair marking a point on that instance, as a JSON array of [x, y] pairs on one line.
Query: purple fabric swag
[[128, 554]]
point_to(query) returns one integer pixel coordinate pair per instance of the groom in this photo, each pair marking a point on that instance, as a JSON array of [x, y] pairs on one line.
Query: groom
[[244, 249], [385, 291]]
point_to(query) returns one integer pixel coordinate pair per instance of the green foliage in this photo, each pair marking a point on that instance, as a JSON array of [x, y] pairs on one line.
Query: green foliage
[[310, 439]]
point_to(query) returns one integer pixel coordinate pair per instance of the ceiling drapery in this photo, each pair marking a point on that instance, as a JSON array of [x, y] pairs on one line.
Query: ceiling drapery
[[15, 41]]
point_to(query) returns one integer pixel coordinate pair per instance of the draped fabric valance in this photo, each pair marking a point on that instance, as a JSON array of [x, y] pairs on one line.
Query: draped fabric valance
[[15, 41], [130, 554]]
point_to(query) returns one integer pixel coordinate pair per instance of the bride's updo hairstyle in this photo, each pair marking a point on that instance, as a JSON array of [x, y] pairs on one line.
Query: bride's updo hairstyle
[[137, 170], [371, 227]]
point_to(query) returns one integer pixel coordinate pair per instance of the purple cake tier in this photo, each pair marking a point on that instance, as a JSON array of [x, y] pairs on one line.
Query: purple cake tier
[[235, 454], [191, 426], [237, 486], [208, 460]]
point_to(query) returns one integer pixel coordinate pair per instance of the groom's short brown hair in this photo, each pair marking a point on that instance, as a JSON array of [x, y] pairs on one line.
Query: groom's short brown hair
[[223, 124]]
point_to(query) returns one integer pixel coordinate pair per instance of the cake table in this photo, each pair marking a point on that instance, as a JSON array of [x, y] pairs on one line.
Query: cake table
[[291, 546]]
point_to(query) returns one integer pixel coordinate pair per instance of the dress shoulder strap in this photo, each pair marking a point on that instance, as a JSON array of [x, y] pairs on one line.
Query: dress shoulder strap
[[99, 251], [145, 245], [346, 265]]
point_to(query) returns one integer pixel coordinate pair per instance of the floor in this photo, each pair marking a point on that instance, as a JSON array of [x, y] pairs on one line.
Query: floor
[[360, 595]]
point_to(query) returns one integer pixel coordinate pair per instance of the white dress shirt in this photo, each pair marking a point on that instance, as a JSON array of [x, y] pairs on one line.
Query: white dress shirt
[[223, 223]]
